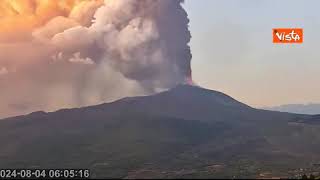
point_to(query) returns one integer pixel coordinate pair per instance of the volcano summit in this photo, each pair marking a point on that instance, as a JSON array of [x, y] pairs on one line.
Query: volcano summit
[[186, 132]]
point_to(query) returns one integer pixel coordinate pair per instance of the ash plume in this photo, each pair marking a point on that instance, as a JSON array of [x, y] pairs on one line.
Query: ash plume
[[146, 41], [99, 52]]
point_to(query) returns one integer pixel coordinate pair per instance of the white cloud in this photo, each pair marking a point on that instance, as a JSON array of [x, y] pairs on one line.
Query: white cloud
[[57, 57], [77, 59], [53, 27]]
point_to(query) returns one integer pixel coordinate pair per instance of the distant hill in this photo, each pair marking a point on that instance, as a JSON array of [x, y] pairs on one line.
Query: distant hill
[[311, 109], [186, 132]]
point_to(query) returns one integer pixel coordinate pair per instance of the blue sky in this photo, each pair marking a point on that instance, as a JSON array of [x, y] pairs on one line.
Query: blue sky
[[233, 50]]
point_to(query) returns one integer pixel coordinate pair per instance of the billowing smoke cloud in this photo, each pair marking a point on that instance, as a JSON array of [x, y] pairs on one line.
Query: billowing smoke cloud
[[98, 52], [78, 59]]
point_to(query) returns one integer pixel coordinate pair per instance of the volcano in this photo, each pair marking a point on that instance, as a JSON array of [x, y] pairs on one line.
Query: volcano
[[185, 132]]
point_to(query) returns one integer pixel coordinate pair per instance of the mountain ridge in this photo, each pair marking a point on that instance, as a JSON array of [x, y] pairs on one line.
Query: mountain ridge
[[185, 132], [311, 108], [186, 90]]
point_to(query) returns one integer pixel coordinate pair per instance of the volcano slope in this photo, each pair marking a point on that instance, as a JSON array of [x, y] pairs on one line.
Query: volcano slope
[[185, 132]]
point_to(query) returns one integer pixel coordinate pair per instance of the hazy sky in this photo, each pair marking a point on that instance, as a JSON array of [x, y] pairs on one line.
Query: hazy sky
[[233, 50]]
